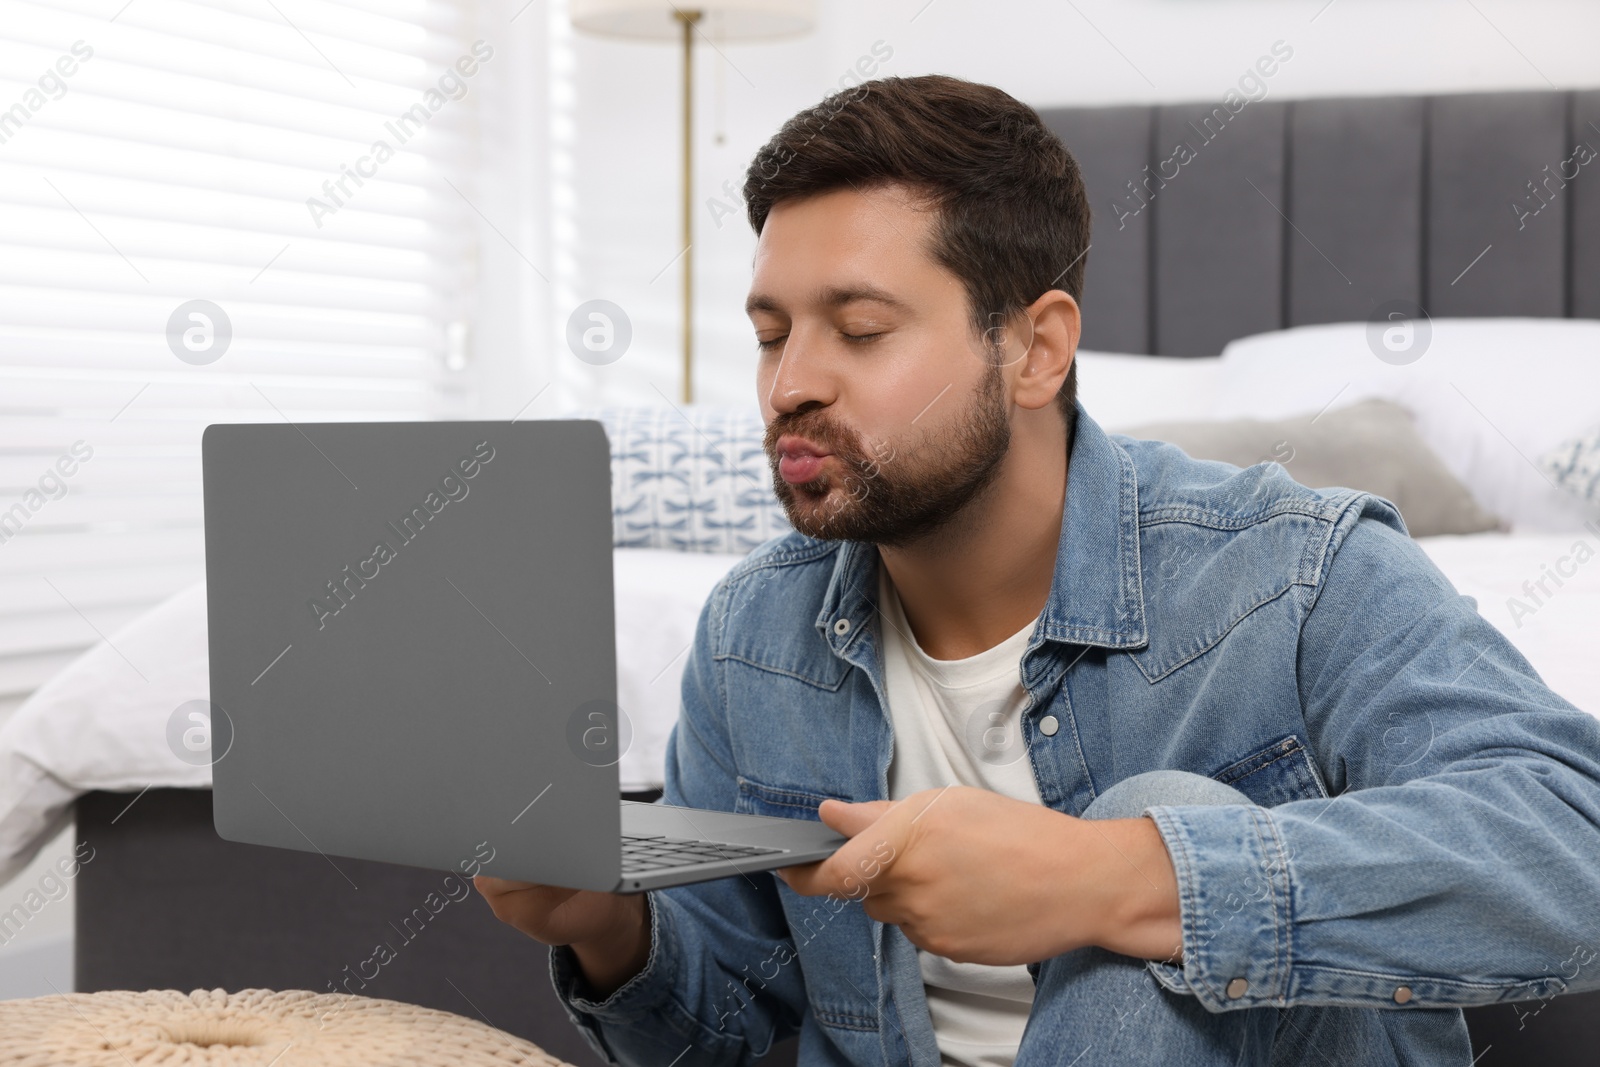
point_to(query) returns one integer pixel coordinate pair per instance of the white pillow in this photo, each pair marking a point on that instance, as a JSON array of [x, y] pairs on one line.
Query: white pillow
[[1490, 396], [693, 479], [1120, 391]]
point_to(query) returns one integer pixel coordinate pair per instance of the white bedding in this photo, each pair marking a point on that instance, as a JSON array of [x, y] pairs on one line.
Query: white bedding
[[98, 726], [1557, 627], [1489, 396]]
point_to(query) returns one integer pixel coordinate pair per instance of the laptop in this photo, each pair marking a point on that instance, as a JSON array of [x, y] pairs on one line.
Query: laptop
[[413, 659]]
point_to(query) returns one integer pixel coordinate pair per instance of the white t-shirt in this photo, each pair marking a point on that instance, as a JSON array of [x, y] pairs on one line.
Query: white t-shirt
[[959, 721]]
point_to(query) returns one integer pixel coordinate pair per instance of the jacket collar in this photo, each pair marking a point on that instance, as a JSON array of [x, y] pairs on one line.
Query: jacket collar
[[1097, 594]]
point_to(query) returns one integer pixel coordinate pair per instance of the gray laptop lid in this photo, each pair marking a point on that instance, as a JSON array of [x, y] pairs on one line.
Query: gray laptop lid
[[412, 643]]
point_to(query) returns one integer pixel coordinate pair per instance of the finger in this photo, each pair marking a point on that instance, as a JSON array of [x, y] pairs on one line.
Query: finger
[[494, 888], [800, 877], [814, 879], [503, 885], [820, 878], [865, 858], [852, 818]]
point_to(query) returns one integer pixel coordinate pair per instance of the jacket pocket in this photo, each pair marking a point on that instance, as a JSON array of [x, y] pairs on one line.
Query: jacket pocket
[[785, 803], [1276, 774]]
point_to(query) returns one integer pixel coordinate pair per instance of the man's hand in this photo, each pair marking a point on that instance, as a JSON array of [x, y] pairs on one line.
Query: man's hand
[[980, 878], [608, 933]]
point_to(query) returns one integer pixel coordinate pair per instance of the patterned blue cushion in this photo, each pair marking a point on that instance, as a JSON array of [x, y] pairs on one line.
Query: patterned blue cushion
[[1574, 465], [694, 479]]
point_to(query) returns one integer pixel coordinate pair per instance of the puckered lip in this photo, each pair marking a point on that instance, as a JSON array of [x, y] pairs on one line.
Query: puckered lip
[[792, 446]]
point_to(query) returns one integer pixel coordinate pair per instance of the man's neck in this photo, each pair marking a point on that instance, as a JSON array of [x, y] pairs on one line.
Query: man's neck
[[987, 574]]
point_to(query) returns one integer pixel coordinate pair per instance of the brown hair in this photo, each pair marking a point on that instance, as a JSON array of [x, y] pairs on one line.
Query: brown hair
[[1013, 214]]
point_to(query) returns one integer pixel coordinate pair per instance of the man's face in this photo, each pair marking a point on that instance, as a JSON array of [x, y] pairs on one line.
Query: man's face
[[886, 414]]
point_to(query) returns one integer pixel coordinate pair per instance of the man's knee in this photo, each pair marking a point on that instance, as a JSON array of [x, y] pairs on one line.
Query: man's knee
[[1096, 1006], [1129, 797]]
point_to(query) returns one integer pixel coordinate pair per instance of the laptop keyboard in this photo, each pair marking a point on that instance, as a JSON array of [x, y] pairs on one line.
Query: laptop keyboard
[[642, 853]]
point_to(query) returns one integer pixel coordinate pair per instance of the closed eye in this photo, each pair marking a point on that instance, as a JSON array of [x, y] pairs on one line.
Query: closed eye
[[851, 338]]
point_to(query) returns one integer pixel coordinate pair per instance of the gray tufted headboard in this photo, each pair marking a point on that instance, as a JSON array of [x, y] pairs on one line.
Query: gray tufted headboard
[[1290, 213]]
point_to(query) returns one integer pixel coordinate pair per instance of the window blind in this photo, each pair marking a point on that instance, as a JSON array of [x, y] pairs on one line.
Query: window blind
[[237, 210]]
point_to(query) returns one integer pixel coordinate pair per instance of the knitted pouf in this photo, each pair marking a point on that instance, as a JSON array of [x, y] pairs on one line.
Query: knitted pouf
[[251, 1028]]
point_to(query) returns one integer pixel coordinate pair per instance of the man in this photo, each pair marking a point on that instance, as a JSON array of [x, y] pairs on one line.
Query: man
[[1292, 793]]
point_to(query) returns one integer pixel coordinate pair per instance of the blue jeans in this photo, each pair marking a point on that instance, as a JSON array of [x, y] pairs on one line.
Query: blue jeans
[[1094, 1007]]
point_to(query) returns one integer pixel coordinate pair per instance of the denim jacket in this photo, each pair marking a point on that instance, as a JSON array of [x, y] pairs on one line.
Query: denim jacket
[[1293, 643]]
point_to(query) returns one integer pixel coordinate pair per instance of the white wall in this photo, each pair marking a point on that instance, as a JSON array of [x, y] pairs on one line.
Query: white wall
[[621, 215]]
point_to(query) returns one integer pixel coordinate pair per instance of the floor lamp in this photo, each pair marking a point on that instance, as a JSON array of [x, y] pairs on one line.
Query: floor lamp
[[711, 20]]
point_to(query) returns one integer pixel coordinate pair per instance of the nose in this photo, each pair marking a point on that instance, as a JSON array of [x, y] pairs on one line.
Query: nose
[[803, 377]]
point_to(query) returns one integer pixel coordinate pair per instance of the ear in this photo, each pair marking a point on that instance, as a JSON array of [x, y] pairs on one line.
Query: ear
[[1055, 325]]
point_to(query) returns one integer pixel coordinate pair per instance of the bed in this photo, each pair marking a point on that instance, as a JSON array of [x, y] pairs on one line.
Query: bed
[[1251, 316]]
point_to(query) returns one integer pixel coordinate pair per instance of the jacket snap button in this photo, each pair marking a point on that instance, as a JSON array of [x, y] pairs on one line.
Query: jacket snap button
[[841, 627], [1238, 988], [1402, 995], [1049, 725]]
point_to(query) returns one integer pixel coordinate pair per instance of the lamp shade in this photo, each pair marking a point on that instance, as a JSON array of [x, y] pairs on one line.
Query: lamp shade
[[734, 20]]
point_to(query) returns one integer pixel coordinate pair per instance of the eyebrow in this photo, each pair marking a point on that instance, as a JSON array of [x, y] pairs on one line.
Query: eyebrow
[[832, 296]]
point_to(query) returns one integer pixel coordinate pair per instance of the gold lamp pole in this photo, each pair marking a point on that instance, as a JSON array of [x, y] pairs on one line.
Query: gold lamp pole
[[688, 19], [663, 20]]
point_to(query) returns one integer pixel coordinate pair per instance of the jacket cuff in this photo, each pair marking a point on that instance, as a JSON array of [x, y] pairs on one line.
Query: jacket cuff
[[634, 998], [1234, 900]]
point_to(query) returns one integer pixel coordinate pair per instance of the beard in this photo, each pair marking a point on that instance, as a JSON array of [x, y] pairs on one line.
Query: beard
[[894, 495]]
